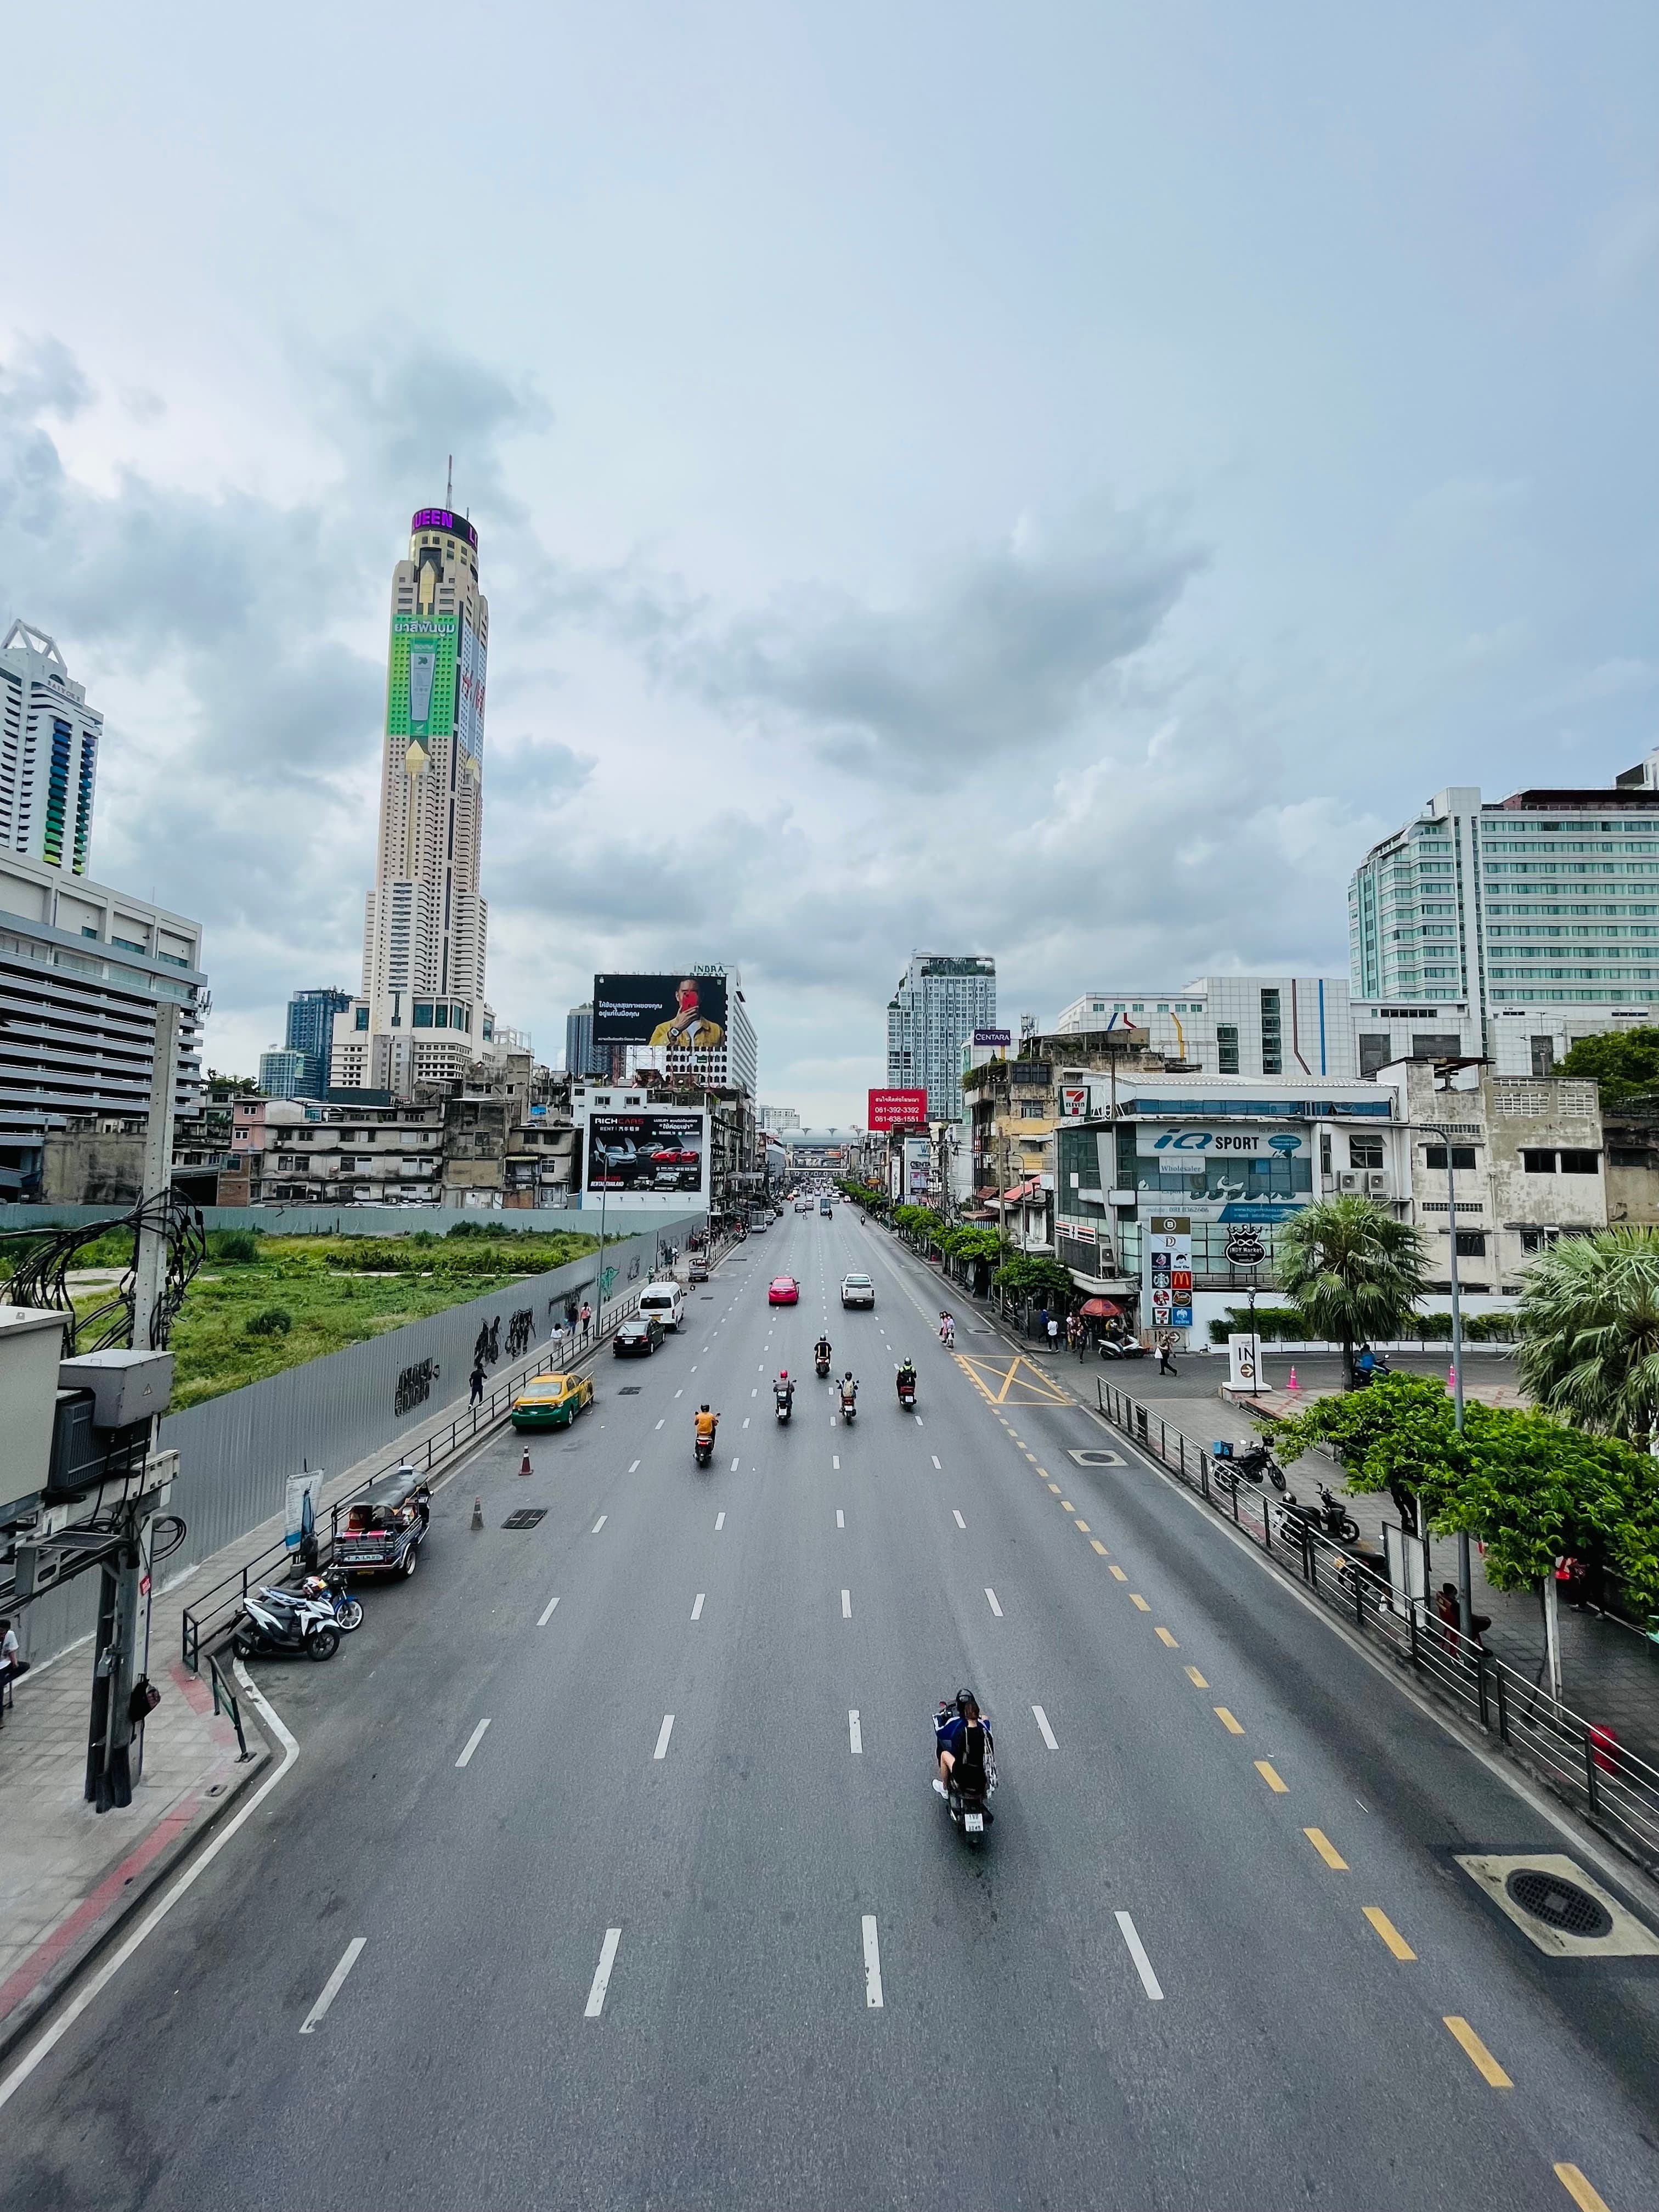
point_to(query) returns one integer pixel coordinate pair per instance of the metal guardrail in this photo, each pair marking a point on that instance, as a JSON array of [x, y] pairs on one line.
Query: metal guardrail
[[225, 1700], [1612, 1787], [212, 1612]]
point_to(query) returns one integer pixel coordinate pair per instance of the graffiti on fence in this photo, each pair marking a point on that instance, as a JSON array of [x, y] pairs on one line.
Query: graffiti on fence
[[488, 1348], [519, 1331], [413, 1386]]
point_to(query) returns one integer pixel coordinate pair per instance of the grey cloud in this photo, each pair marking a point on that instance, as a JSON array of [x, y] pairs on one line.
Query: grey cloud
[[1008, 650], [399, 416]]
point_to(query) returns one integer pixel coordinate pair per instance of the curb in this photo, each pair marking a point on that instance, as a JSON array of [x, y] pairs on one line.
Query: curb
[[87, 1943]]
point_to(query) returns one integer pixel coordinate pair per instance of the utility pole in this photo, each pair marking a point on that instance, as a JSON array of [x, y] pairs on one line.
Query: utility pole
[[1464, 1569], [116, 1643]]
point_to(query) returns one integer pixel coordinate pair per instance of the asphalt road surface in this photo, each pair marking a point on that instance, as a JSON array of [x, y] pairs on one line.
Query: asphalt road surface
[[608, 1873]]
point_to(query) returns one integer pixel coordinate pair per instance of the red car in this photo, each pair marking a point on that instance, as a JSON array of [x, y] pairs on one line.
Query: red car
[[784, 1291]]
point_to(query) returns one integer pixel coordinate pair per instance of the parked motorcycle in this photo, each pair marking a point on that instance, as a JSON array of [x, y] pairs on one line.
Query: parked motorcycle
[[330, 1589], [1296, 1522], [1252, 1466], [282, 1624]]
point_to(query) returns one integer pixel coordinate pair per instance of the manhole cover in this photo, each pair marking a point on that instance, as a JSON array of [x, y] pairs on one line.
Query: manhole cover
[[525, 1517], [1096, 1458], [1560, 1904], [629, 1391]]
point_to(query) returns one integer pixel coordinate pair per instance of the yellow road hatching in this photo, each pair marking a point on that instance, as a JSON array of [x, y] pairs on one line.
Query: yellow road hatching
[[1017, 1383]]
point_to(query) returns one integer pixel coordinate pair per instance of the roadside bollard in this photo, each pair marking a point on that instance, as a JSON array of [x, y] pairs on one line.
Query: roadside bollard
[[524, 1466], [478, 1513], [1292, 1384]]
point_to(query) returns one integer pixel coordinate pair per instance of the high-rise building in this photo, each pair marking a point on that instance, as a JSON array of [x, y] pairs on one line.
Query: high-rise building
[[310, 1033], [578, 1053], [422, 1012], [941, 999], [83, 970], [49, 739], [281, 1072], [1512, 928]]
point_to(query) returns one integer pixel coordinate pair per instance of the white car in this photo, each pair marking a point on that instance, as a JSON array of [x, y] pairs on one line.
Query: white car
[[856, 1291]]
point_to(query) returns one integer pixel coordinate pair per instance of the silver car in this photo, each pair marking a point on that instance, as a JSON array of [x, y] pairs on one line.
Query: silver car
[[856, 1291]]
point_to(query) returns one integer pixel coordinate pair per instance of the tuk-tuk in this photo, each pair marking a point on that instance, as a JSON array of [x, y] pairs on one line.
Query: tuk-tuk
[[381, 1532]]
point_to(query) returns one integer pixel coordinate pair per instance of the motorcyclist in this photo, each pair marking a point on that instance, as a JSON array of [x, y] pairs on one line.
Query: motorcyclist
[[783, 1390], [906, 1378], [705, 1425], [849, 1390], [821, 1351], [947, 1330], [961, 1737]]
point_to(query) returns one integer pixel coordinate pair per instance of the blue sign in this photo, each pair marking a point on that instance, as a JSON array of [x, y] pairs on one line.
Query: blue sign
[[1244, 1210], [1180, 1316]]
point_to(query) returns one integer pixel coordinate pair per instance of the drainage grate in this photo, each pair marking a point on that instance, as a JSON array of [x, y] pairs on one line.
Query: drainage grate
[[525, 1517], [1558, 1904], [629, 1391]]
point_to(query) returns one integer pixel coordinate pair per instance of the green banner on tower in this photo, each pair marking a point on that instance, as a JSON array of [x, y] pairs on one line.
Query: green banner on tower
[[420, 700]]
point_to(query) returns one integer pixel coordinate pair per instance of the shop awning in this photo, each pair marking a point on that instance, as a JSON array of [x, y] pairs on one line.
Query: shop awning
[[1100, 1309], [1020, 1191]]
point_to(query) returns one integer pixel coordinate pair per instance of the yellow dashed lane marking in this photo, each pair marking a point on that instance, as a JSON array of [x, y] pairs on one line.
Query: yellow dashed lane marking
[[1586, 2198], [1083, 1526], [1326, 1849], [1485, 2064], [1067, 1505], [1270, 1775], [1139, 1602], [1164, 1637], [1196, 1679], [1390, 1935], [1227, 1721], [1098, 1545], [1118, 1574], [1054, 1486]]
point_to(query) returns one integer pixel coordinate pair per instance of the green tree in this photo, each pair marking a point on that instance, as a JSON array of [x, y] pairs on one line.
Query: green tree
[[1589, 1328], [1626, 1063], [1354, 1270], [1029, 1275]]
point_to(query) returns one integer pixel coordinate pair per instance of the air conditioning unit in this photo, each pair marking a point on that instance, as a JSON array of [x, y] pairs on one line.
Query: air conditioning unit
[[1348, 1180], [1377, 1182]]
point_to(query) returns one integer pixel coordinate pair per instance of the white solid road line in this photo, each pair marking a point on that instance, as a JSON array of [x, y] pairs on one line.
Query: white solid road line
[[12, 2082], [719, 1522], [595, 2004], [957, 1518], [548, 1615], [872, 1965], [598, 1524], [472, 1743], [663, 1734], [1047, 1733], [847, 1605], [332, 1987], [633, 1466], [934, 1457], [855, 1734], [1148, 1980], [991, 1600], [840, 1518]]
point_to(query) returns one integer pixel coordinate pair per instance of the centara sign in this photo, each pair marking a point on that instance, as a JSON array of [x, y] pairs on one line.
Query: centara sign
[[1255, 1143]]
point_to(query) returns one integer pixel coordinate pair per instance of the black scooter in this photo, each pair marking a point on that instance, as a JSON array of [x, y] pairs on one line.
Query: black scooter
[[704, 1448], [1251, 1465], [822, 1363], [783, 1403]]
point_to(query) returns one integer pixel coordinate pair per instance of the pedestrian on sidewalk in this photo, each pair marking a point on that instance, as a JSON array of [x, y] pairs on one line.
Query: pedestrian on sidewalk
[[12, 1661], [477, 1398], [1053, 1333], [587, 1321], [1165, 1346]]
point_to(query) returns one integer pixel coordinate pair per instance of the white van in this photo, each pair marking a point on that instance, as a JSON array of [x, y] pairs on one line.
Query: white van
[[666, 1301]]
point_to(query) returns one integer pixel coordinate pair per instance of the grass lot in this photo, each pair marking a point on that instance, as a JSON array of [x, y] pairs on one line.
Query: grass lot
[[334, 1291]]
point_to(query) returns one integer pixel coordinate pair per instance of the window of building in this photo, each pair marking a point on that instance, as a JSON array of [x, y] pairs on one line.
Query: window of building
[[1375, 1051], [1581, 1163], [363, 1018], [1463, 1157], [422, 1017], [1365, 1152], [1226, 1041], [1537, 1240], [1032, 1109], [1622, 1156], [1272, 1063], [1536, 1163], [1471, 1243]]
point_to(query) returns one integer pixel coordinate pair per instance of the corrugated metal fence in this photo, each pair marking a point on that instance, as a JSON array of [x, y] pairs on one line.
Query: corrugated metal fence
[[236, 1453]]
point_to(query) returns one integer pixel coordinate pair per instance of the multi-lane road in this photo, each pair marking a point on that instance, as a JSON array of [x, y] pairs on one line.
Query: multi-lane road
[[608, 1873]]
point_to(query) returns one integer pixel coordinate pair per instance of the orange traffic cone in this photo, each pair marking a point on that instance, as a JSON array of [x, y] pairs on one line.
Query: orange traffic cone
[[1292, 1384], [524, 1466]]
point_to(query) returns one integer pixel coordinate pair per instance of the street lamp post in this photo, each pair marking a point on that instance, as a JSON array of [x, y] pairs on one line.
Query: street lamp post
[[1465, 1591]]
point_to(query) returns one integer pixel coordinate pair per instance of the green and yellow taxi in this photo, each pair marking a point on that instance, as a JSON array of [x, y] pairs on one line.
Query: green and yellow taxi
[[552, 1401]]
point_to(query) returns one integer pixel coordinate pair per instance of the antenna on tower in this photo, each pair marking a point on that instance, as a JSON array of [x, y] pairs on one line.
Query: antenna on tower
[[449, 486]]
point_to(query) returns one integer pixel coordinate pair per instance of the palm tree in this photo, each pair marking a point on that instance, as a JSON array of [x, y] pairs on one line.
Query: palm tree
[[1355, 1271], [1590, 1331]]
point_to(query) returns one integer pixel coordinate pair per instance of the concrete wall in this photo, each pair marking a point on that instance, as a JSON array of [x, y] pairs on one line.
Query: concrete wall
[[236, 1453], [365, 1220]]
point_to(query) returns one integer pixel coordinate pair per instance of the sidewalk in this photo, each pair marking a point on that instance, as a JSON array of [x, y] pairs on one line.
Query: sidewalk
[[68, 1875], [1609, 1674]]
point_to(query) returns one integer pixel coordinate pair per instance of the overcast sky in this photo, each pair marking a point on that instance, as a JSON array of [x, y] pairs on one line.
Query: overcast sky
[[1053, 481]]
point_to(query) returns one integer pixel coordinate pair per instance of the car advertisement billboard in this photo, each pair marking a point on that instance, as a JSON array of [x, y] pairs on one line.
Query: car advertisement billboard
[[687, 1009], [896, 1109], [641, 1158], [420, 700]]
